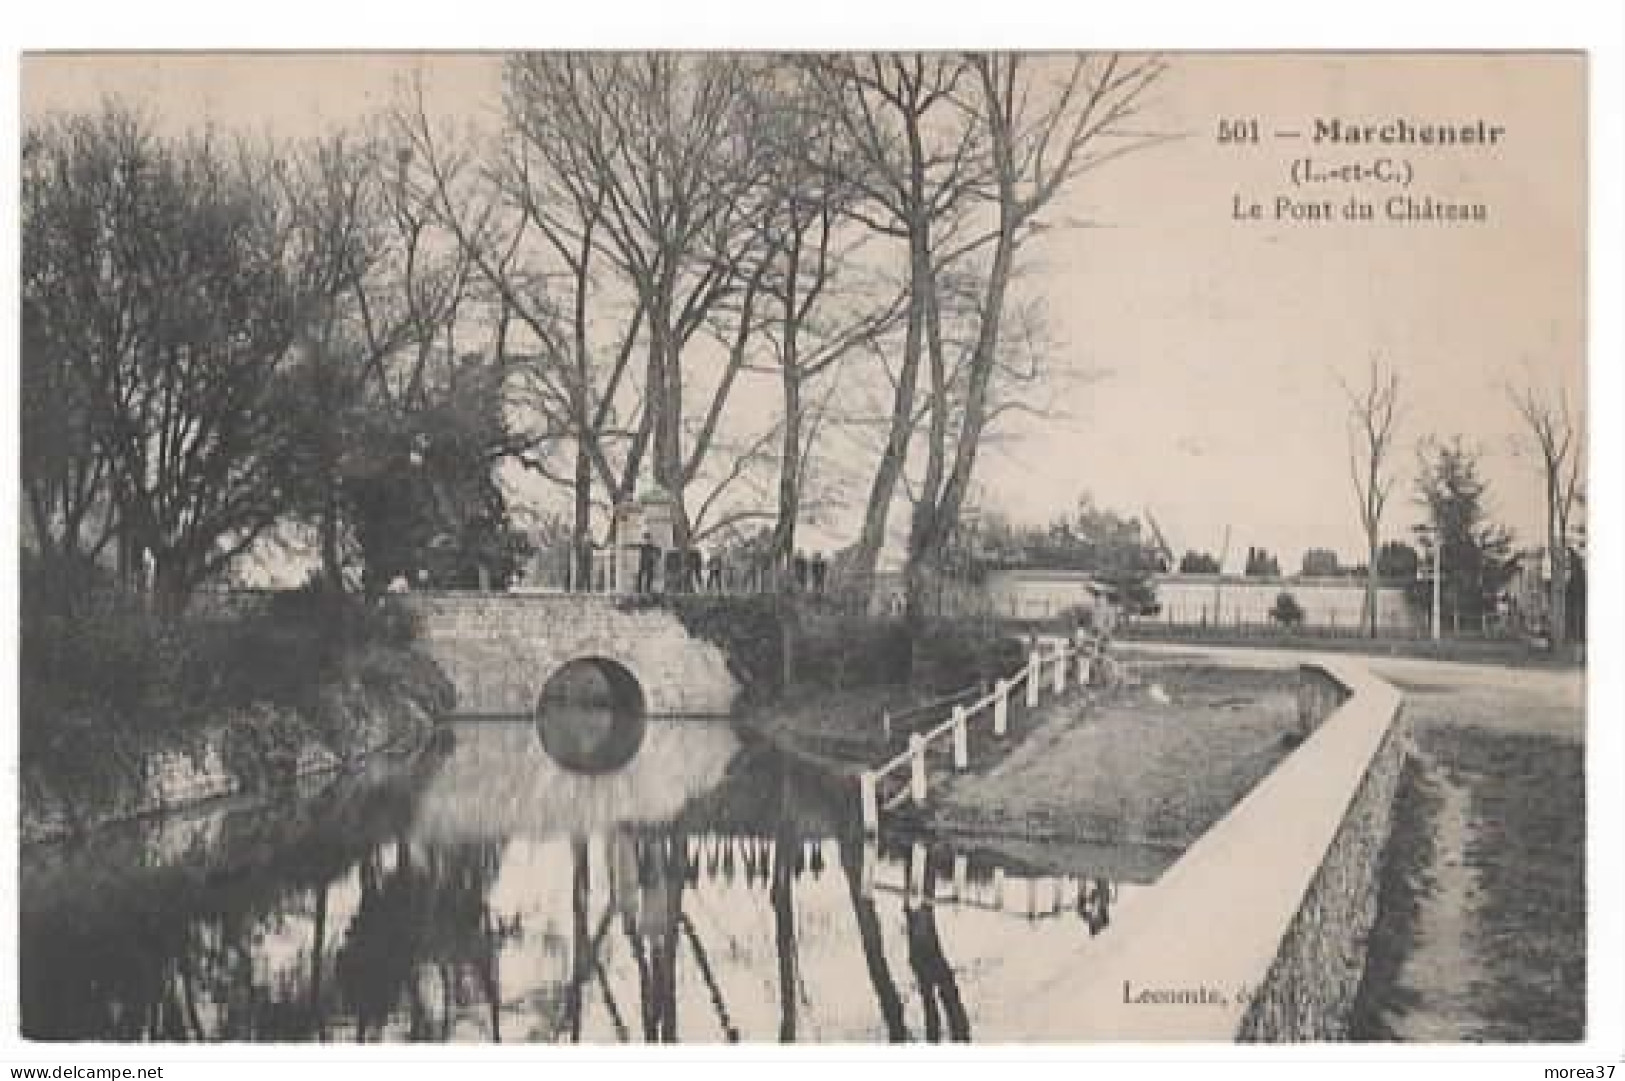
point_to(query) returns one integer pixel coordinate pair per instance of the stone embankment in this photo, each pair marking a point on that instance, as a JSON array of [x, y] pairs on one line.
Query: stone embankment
[[114, 776]]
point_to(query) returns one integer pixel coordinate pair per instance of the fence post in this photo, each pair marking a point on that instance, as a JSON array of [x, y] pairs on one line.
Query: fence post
[[961, 739], [1035, 672], [871, 802], [998, 888], [916, 765], [1001, 709], [961, 876]]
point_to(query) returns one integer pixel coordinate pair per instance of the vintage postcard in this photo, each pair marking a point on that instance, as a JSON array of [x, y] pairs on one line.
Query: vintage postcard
[[861, 548]]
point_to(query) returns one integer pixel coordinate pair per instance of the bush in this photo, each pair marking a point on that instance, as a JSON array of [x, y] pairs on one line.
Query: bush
[[950, 656], [1287, 611], [282, 653], [749, 631], [112, 659], [107, 654], [835, 652], [831, 650]]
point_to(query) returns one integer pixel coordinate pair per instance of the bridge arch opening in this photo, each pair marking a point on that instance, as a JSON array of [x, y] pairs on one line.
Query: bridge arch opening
[[591, 716]]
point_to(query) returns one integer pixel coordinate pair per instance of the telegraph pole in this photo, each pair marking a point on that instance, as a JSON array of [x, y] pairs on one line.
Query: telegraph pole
[[1438, 577]]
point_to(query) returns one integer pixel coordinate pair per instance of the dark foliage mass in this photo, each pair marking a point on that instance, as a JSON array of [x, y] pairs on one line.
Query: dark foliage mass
[[777, 645], [221, 337], [1477, 560], [1287, 611], [118, 664]]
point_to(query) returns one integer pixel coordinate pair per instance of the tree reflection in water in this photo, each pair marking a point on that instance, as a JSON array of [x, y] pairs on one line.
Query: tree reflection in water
[[939, 989], [870, 938], [378, 930], [428, 915], [787, 840]]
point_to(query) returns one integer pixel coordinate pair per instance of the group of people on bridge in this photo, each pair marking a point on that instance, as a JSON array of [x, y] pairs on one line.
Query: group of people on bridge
[[689, 570]]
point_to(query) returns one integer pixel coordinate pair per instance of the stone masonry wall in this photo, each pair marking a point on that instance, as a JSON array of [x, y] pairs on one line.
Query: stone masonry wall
[[255, 749], [1308, 994], [1319, 695], [499, 650]]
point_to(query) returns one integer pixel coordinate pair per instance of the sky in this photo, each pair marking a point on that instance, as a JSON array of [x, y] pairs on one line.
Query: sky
[[1218, 343]]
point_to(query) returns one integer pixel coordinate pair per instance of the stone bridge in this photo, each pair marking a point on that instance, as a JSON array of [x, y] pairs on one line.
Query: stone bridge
[[500, 650]]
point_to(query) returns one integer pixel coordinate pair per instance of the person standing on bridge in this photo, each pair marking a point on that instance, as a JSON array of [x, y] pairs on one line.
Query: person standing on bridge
[[713, 572], [673, 570], [647, 555]]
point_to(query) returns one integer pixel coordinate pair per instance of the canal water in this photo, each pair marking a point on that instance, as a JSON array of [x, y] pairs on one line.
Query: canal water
[[694, 888]]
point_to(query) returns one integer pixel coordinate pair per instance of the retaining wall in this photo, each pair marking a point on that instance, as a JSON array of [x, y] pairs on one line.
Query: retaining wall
[[1258, 932], [260, 748]]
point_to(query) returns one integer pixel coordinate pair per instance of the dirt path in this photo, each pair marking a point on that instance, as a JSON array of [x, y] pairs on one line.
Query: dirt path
[[1442, 968]]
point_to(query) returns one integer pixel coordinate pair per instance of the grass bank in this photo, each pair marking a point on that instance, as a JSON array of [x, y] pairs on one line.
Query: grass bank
[[1151, 765]]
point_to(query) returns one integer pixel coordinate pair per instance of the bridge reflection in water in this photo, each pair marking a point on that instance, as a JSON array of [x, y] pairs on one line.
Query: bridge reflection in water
[[706, 891]]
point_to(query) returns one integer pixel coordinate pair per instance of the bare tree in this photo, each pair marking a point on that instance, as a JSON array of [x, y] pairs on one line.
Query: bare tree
[[531, 218], [332, 191], [959, 156], [401, 343], [1372, 420], [1558, 435], [914, 160], [823, 306], [663, 145]]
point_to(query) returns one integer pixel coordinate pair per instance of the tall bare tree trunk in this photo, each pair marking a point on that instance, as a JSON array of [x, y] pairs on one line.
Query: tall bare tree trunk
[[665, 397], [895, 454], [1558, 547], [784, 530], [1368, 609], [581, 526]]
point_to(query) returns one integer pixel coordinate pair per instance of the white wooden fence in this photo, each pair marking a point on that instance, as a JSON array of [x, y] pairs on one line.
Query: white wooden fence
[[1065, 661]]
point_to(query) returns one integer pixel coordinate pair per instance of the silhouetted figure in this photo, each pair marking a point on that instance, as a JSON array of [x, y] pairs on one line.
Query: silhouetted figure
[[819, 570], [1094, 905], [692, 564], [800, 565], [648, 554], [713, 573]]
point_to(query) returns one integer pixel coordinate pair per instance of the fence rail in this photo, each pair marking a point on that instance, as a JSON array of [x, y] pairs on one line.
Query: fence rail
[[878, 788]]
